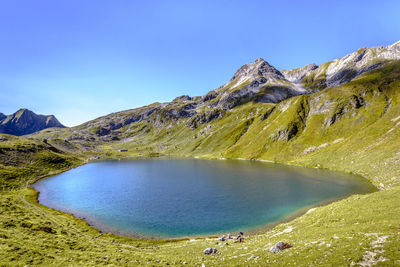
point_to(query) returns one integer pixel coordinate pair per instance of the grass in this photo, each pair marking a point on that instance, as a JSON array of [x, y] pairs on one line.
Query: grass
[[352, 128], [336, 234]]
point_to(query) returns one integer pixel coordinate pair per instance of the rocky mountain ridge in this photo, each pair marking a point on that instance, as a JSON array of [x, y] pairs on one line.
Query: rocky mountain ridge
[[343, 70], [256, 82], [25, 122]]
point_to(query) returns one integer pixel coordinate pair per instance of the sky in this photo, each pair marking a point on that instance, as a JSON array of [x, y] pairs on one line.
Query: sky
[[82, 59]]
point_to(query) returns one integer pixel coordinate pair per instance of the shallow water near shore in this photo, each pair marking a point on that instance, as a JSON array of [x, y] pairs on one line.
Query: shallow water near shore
[[171, 198]]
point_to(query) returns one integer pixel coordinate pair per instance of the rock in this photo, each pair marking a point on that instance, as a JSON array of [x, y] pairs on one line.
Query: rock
[[182, 98], [296, 75], [209, 251], [204, 117], [274, 249], [209, 96], [279, 246]]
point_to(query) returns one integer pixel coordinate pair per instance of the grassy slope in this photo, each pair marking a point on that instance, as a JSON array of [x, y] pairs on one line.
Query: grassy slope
[[353, 128]]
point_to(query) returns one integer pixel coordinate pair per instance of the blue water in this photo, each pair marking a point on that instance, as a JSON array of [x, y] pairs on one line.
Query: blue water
[[175, 198]]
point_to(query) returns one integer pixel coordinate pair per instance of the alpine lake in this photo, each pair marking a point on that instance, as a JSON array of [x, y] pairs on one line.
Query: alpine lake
[[176, 198]]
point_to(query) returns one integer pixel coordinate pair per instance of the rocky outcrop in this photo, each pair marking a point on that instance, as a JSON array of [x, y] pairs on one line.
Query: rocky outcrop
[[279, 247], [297, 75], [209, 251], [205, 117], [25, 121], [182, 97]]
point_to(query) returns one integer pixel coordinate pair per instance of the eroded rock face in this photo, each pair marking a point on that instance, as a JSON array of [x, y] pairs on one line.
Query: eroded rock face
[[205, 117]]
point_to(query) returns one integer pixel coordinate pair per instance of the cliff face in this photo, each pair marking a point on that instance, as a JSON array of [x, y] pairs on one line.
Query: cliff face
[[25, 121]]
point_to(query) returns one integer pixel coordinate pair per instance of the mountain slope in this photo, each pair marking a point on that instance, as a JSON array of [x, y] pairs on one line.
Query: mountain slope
[[343, 70], [25, 121], [264, 113]]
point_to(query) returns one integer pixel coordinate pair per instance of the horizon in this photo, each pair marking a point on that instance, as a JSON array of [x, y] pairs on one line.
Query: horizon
[[79, 61]]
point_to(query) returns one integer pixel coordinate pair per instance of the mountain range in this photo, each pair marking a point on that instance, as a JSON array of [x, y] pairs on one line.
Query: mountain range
[[257, 82], [25, 122]]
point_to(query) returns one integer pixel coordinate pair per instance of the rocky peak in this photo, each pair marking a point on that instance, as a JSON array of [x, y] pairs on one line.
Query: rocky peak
[[260, 67], [257, 81], [182, 98], [23, 114], [25, 121]]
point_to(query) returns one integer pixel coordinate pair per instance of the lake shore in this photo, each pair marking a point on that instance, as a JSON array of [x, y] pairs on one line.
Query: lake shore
[[102, 227]]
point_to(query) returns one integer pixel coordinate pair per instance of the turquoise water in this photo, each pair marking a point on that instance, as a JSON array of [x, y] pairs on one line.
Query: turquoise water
[[175, 198]]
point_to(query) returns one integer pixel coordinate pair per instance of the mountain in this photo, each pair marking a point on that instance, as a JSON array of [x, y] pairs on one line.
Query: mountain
[[257, 82], [343, 70], [25, 121], [349, 104]]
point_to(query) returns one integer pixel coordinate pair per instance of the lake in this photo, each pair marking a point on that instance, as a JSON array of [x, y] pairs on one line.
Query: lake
[[168, 198]]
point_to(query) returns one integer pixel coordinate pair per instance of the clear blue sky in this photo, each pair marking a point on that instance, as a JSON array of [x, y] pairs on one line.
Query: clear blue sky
[[81, 59]]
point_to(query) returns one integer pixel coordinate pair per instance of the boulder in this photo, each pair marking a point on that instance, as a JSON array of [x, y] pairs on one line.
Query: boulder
[[209, 251], [279, 246]]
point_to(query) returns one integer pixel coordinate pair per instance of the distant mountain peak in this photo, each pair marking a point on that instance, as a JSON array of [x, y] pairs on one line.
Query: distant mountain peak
[[260, 67], [23, 112], [25, 121], [259, 60]]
